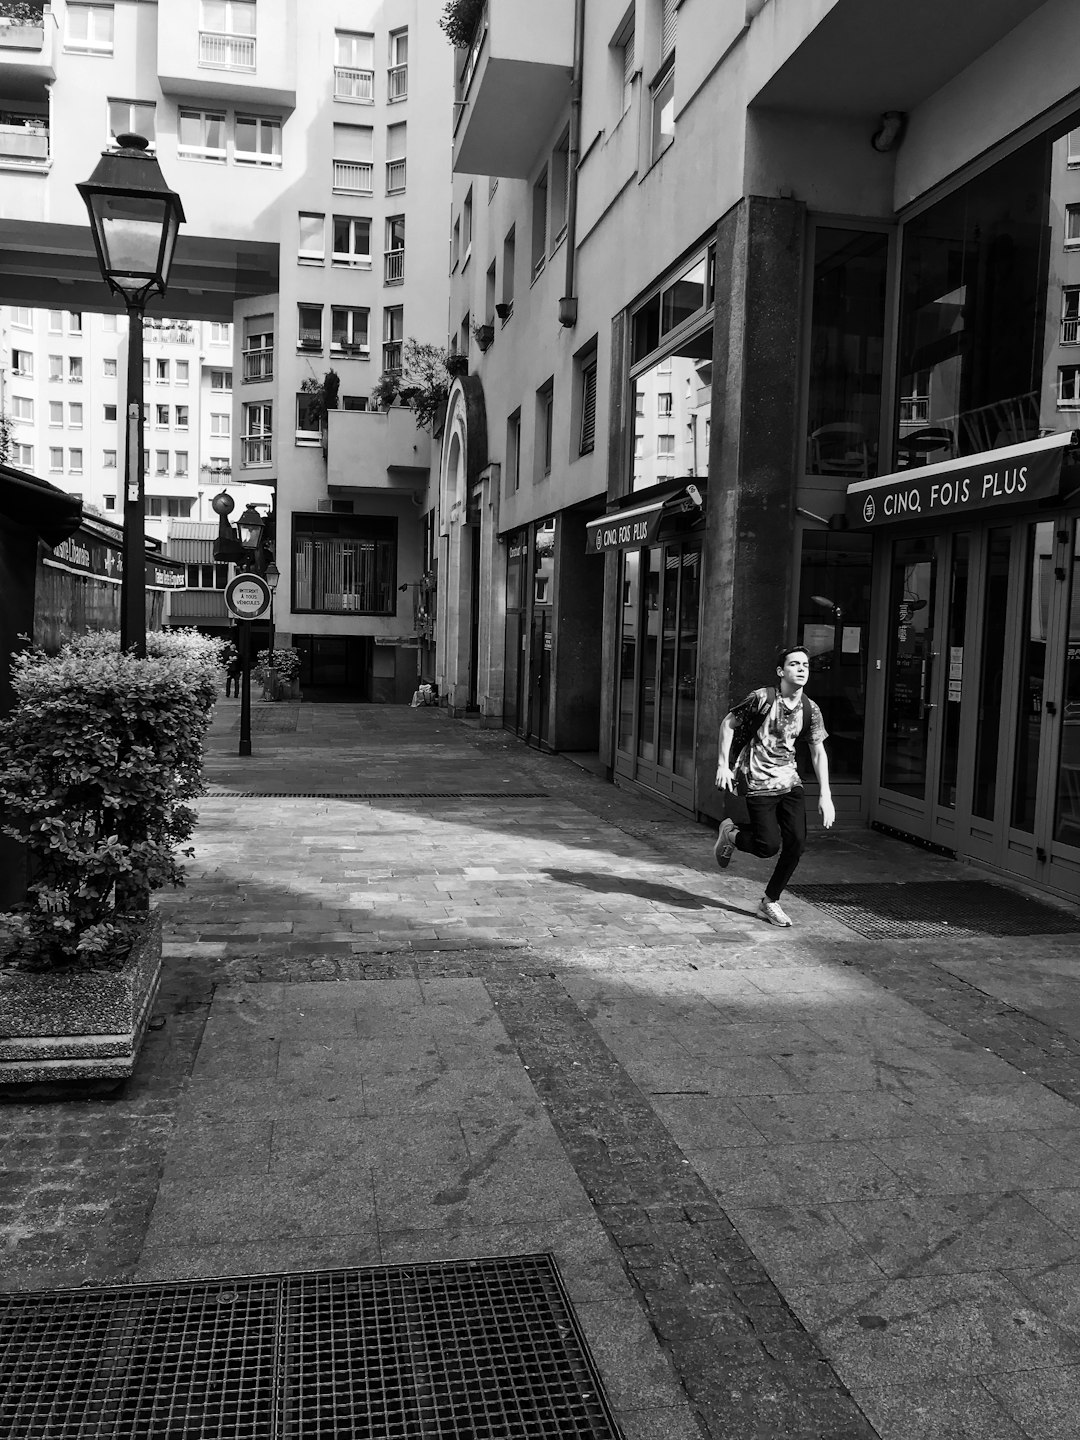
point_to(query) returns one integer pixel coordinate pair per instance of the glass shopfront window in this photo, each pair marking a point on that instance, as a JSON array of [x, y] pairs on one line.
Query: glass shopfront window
[[672, 409], [847, 344], [987, 331]]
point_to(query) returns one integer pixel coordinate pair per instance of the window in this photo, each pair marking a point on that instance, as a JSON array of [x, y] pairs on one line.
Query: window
[[397, 77], [75, 374], [353, 150], [395, 159], [345, 565], [560, 188], [181, 462], [132, 117], [1072, 149], [308, 420], [161, 371], [259, 347], [513, 452], [183, 371], [227, 35], [22, 363], [257, 141], [489, 295], [393, 335], [257, 439], [545, 411], [662, 90], [108, 369], [309, 327], [349, 329], [509, 248], [311, 249], [354, 62], [466, 228], [220, 332], [109, 413], [586, 426], [56, 458], [146, 370], [56, 322], [220, 425], [110, 502], [108, 459], [22, 408], [23, 317], [182, 414], [89, 29], [455, 246], [394, 256], [108, 323], [75, 416], [665, 445], [22, 457], [539, 223], [352, 241], [1072, 224], [74, 322], [681, 448], [161, 416], [354, 402], [663, 402], [161, 462], [623, 46], [221, 380], [1070, 314], [146, 460], [1069, 386], [201, 135], [56, 412], [75, 462]]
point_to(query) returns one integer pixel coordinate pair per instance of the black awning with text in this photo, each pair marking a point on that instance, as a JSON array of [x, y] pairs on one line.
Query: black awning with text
[[1014, 475], [640, 524]]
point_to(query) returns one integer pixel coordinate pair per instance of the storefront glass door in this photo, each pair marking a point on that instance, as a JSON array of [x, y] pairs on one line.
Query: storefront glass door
[[1067, 777]]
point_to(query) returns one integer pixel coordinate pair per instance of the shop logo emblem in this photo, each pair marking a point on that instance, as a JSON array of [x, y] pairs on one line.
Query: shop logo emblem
[[869, 509]]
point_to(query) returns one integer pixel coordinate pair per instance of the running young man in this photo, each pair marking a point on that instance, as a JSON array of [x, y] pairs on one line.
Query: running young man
[[767, 775]]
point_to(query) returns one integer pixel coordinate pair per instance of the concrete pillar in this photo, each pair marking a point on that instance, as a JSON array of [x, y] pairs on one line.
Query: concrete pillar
[[577, 641]]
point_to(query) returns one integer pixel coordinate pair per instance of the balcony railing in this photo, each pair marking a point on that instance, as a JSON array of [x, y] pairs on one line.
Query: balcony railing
[[351, 84], [258, 364], [353, 176], [1069, 331], [25, 145], [394, 267], [226, 52], [391, 355], [256, 450], [914, 410], [397, 82], [395, 177]]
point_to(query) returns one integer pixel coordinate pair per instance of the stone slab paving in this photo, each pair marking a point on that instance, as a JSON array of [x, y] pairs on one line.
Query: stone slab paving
[[800, 1183]]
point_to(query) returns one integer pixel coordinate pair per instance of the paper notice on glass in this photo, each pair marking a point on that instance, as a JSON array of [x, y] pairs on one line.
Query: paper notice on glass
[[954, 689], [850, 641], [956, 655], [818, 639]]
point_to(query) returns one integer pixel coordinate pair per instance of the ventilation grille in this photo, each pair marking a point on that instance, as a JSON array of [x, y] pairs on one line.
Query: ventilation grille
[[918, 910], [375, 795], [335, 507], [484, 1349]]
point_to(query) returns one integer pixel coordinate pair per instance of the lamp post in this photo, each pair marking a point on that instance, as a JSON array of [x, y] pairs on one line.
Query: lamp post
[[272, 576], [134, 218]]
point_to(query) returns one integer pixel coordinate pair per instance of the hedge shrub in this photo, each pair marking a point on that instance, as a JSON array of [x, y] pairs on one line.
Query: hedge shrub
[[98, 760]]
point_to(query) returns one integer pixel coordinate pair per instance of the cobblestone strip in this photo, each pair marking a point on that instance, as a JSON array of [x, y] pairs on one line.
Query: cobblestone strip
[[749, 1368], [1038, 1049]]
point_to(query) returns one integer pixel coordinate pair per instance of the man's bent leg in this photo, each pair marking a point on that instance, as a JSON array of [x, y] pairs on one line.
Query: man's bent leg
[[790, 818], [762, 835]]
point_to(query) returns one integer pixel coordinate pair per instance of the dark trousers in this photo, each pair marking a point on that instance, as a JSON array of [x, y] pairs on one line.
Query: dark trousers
[[777, 827]]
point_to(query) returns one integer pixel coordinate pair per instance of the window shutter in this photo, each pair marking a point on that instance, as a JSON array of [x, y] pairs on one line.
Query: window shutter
[[588, 410], [628, 61], [667, 36]]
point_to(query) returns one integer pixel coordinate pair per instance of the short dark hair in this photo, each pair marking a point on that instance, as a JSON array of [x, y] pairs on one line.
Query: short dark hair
[[782, 654]]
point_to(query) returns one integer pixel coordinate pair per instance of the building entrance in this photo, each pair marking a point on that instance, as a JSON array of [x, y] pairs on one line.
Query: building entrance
[[980, 695]]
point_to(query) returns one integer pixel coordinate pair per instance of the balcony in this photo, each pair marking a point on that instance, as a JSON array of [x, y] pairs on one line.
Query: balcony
[[393, 267], [258, 364], [355, 85], [391, 354], [375, 450], [395, 177], [256, 450], [513, 86], [397, 83], [24, 146], [1070, 332], [352, 177], [26, 49], [227, 67]]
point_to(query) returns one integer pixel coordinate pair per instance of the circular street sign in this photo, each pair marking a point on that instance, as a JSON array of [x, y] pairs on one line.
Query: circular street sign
[[247, 597]]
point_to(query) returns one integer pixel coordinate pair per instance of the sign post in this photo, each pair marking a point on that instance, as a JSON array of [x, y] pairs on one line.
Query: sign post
[[247, 597]]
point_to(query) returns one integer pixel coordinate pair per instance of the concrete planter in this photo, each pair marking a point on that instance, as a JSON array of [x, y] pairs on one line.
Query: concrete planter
[[83, 1026]]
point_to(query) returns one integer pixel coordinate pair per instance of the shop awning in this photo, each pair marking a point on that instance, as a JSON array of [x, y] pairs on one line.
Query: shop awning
[[1014, 475], [639, 524]]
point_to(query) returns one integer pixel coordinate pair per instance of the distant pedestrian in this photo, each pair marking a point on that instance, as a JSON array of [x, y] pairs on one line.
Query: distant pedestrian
[[763, 769], [234, 669]]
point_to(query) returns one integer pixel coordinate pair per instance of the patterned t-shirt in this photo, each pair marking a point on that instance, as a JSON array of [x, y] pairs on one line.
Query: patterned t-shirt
[[768, 763]]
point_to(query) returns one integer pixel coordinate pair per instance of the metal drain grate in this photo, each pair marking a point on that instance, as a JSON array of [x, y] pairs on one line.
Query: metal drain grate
[[917, 910], [375, 794], [479, 1349]]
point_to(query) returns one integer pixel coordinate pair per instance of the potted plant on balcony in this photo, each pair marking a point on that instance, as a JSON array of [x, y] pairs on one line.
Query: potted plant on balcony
[[483, 335], [98, 761], [459, 20]]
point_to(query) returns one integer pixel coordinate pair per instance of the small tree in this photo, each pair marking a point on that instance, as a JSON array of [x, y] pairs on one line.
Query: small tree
[[325, 392], [459, 21], [5, 438]]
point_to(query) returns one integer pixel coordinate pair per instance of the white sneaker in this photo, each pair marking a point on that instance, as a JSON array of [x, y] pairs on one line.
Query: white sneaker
[[725, 843], [769, 910]]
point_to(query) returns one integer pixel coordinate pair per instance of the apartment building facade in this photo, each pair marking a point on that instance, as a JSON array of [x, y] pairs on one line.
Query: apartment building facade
[[308, 145], [769, 309]]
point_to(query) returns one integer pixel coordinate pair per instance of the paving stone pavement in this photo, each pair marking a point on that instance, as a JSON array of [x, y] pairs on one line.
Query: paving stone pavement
[[798, 1183]]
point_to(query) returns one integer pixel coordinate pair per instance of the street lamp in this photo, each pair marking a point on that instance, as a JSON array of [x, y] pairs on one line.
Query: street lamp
[[134, 218], [251, 526], [272, 575]]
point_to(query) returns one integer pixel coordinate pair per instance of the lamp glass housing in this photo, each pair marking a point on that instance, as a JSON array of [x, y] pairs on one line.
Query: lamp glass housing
[[134, 217], [272, 575], [251, 525]]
